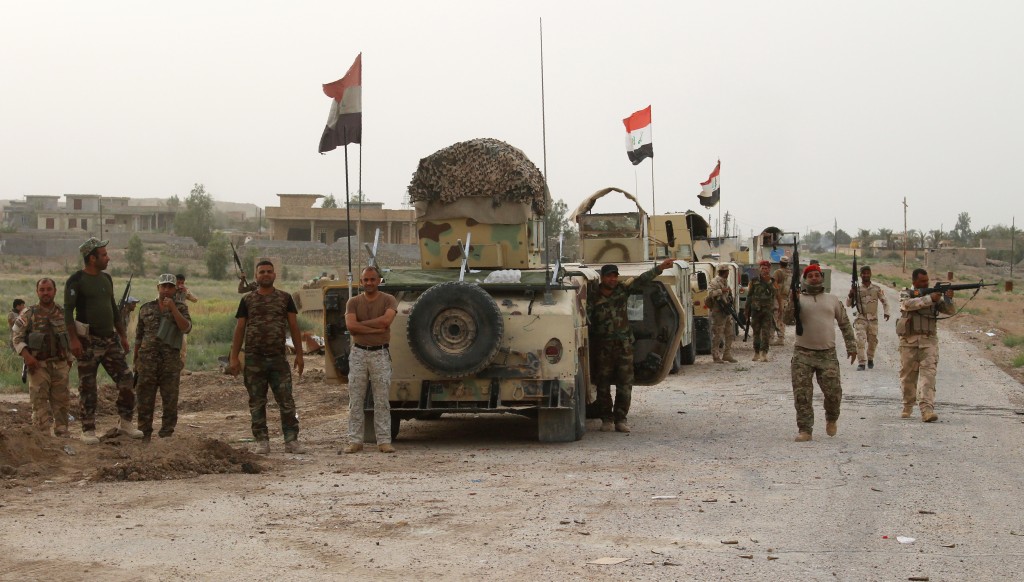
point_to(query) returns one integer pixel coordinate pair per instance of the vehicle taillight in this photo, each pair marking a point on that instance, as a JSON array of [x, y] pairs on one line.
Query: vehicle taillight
[[553, 351]]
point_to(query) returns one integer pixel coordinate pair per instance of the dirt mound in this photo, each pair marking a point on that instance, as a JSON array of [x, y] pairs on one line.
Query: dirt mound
[[183, 459], [22, 445]]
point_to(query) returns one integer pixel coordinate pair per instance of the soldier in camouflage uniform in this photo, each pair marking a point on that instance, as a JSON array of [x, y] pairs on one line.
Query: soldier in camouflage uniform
[[723, 333], [782, 276], [264, 317], [368, 318], [159, 337], [919, 345], [762, 300], [611, 343], [814, 354], [40, 337], [181, 295], [98, 337], [866, 324]]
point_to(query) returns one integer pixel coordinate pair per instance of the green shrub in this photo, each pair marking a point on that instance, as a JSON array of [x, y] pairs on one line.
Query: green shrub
[[1012, 341], [1018, 361]]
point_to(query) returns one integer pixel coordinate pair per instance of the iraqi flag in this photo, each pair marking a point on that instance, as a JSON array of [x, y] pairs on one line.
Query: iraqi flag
[[638, 136], [345, 121], [709, 190]]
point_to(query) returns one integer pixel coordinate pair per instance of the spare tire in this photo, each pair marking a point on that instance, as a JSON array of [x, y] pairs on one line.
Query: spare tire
[[455, 329]]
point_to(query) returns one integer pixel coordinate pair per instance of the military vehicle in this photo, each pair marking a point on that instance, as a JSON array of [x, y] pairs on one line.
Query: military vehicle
[[486, 325], [623, 238]]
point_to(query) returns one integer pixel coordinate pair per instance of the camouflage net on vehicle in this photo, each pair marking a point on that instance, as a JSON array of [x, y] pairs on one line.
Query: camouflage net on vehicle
[[479, 167]]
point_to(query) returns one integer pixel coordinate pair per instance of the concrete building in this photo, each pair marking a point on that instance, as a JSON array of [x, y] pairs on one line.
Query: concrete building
[[296, 220], [89, 213]]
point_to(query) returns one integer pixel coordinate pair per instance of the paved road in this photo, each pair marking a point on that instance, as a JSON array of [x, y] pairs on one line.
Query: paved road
[[472, 498]]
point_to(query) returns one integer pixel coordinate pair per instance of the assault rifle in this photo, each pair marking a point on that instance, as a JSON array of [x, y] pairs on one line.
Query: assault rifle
[[943, 287], [238, 264], [728, 308], [794, 287], [854, 291], [124, 297]]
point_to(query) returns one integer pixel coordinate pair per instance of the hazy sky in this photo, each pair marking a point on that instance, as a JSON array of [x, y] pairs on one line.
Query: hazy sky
[[817, 109]]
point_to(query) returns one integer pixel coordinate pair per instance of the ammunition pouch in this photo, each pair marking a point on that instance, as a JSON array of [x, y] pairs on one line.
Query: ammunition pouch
[[35, 341], [902, 326]]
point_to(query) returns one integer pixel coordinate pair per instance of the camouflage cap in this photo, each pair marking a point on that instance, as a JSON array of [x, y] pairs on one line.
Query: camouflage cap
[[91, 245], [607, 269], [167, 279], [721, 267]]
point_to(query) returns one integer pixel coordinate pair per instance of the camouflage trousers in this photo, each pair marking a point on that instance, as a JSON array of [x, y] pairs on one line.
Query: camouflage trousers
[[867, 338], [919, 361], [611, 362], [373, 369], [106, 352], [159, 371], [722, 335], [762, 326], [807, 364], [261, 372], [48, 392]]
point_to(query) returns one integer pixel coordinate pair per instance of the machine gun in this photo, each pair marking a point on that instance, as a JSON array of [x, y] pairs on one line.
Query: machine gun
[[943, 287], [794, 288], [238, 264], [854, 291]]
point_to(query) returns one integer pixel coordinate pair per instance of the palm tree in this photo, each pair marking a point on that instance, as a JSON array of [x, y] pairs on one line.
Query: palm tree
[[886, 234]]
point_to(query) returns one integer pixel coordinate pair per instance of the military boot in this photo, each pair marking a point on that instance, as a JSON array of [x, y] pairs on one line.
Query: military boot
[[729, 358], [125, 427], [262, 448], [621, 426], [830, 428], [757, 357], [860, 367], [929, 416], [352, 448], [871, 364], [294, 447], [908, 409], [89, 437], [802, 437], [385, 448], [607, 426]]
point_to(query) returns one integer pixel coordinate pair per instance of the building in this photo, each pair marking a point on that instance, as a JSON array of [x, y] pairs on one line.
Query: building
[[296, 220], [88, 213]]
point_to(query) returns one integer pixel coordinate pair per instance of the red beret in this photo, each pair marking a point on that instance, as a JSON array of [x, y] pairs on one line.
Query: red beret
[[764, 263], [810, 268]]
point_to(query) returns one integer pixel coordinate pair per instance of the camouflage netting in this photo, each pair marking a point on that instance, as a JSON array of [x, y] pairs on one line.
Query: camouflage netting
[[479, 167]]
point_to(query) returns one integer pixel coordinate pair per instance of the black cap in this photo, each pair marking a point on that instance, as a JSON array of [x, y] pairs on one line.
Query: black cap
[[607, 269]]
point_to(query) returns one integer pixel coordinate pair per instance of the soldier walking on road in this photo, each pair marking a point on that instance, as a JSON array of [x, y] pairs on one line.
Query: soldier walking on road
[[368, 318], [919, 345], [159, 339], [814, 354], [762, 300], [722, 330], [866, 324], [782, 276], [611, 343], [40, 337], [97, 337], [264, 317]]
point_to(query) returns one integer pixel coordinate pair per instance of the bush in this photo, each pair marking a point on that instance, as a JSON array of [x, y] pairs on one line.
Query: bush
[[1018, 361], [1012, 341]]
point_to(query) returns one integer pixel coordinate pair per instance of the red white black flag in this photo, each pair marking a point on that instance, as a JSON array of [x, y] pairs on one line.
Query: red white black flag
[[638, 136], [709, 190], [345, 121]]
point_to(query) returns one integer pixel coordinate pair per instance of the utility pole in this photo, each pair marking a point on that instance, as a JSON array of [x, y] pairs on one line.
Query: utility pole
[[1013, 246], [835, 239], [904, 234]]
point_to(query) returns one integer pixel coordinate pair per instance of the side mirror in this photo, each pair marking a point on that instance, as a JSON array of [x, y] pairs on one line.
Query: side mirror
[[745, 280], [702, 281]]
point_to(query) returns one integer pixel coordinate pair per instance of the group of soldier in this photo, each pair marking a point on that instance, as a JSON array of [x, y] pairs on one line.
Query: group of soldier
[[769, 303]]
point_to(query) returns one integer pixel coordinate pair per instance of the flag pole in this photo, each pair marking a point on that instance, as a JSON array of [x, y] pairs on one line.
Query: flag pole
[[544, 149], [348, 213]]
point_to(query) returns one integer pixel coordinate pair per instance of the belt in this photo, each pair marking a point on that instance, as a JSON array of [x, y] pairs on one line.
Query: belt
[[371, 348]]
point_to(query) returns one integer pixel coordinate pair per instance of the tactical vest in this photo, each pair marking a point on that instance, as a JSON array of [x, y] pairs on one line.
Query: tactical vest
[[761, 294], [46, 334], [920, 322]]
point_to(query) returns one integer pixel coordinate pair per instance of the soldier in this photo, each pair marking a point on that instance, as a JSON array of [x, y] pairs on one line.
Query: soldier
[[781, 276], [97, 337], [866, 323], [16, 308], [762, 300], [814, 354], [721, 298], [264, 317], [40, 337], [611, 343], [919, 345], [181, 295], [368, 318], [159, 338]]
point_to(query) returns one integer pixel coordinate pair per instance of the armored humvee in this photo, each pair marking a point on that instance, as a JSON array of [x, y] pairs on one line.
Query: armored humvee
[[486, 325]]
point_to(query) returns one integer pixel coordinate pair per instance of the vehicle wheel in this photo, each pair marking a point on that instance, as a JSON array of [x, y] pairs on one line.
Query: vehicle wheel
[[455, 329], [689, 354]]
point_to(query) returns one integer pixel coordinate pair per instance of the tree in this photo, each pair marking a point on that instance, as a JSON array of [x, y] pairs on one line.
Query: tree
[[174, 203], [218, 256], [135, 256], [329, 202], [197, 219], [812, 240], [864, 236], [963, 228], [886, 235], [841, 238], [556, 222]]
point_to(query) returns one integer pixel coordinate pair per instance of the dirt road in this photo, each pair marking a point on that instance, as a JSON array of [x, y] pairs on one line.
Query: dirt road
[[710, 485]]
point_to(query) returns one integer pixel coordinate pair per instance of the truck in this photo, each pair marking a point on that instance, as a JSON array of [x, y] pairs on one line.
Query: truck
[[487, 324]]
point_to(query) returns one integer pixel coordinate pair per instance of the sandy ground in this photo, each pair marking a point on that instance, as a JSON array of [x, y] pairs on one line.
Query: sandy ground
[[709, 485]]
